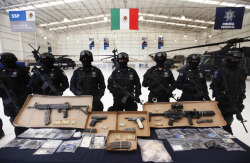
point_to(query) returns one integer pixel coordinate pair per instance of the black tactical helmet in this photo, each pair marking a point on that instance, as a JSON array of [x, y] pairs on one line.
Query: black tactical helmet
[[87, 54], [123, 55], [160, 55], [47, 55], [7, 56], [193, 57]]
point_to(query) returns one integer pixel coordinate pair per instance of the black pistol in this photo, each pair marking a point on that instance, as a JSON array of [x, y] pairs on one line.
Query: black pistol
[[96, 119]]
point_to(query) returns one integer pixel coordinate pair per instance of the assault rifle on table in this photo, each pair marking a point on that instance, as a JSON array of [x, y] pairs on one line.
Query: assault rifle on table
[[47, 83], [59, 107], [175, 115], [11, 97], [199, 90], [127, 94], [160, 87]]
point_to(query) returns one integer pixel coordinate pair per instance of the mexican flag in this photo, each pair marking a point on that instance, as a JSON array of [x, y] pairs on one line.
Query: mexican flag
[[124, 19]]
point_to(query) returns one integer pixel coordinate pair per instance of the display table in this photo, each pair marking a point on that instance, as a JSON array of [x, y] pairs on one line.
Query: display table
[[94, 155]]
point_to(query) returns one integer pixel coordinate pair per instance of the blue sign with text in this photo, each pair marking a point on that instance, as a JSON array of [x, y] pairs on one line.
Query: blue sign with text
[[229, 18], [17, 15]]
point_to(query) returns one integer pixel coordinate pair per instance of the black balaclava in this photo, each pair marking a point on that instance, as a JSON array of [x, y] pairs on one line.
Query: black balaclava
[[9, 64], [231, 63], [86, 63], [86, 57], [194, 64], [160, 62], [48, 64], [160, 58], [123, 64]]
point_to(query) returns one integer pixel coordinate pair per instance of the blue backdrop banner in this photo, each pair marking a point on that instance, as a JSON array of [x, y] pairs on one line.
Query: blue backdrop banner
[[144, 43], [160, 42], [229, 18], [106, 43]]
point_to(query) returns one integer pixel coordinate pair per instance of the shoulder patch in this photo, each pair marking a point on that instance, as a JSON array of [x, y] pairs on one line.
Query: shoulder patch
[[181, 74], [216, 73]]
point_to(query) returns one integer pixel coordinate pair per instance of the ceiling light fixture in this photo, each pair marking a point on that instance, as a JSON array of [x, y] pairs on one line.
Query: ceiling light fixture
[[65, 20], [141, 18], [45, 38], [105, 18], [185, 35]]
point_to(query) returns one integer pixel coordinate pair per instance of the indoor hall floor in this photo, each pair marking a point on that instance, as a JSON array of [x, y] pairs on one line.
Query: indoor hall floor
[[107, 100]]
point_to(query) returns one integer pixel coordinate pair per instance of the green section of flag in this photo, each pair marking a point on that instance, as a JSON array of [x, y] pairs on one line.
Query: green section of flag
[[115, 19]]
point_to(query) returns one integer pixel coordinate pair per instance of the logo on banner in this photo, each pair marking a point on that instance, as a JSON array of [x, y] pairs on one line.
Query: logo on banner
[[125, 18], [31, 15], [229, 15], [15, 16]]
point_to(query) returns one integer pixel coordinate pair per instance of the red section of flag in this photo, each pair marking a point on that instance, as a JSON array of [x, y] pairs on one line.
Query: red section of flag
[[133, 19]]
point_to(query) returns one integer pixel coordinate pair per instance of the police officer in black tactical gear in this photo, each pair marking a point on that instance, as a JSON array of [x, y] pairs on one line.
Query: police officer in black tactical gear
[[55, 76], [88, 80], [159, 80], [229, 87], [192, 81], [13, 87], [127, 78]]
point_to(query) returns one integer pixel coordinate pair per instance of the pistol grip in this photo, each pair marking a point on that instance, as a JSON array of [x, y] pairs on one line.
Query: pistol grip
[[92, 123], [64, 113], [140, 125], [171, 121], [149, 115], [190, 120], [47, 117]]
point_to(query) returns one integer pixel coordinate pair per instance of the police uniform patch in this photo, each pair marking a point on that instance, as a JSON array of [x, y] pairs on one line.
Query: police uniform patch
[[216, 74], [14, 74], [94, 74], [201, 75], [166, 74], [131, 77], [181, 74], [52, 75]]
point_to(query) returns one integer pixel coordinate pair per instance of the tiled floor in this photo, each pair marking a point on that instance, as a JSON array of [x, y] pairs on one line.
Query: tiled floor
[[238, 129]]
